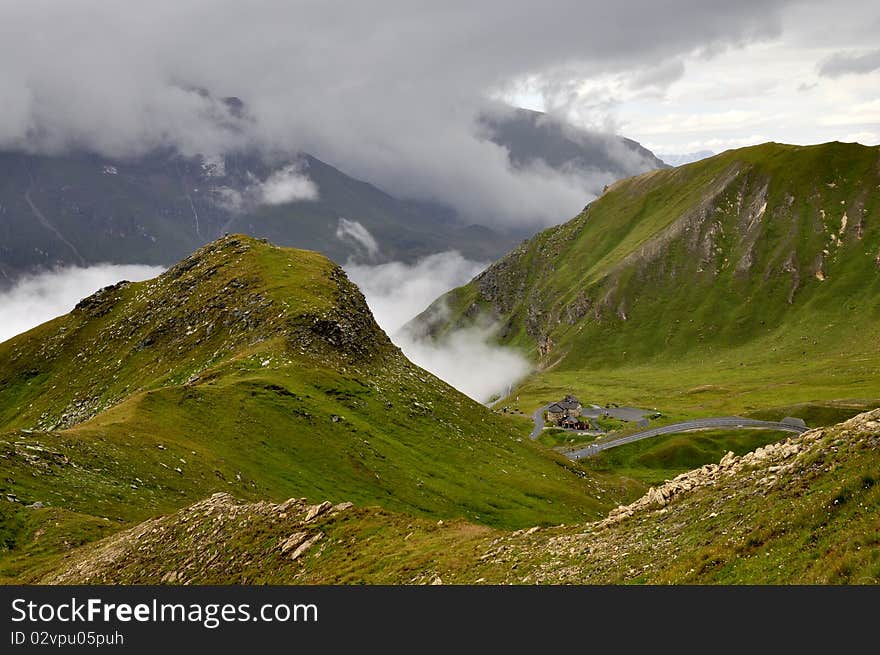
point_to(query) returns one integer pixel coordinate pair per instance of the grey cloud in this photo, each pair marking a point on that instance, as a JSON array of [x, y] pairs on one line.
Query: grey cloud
[[389, 91], [660, 76], [847, 63]]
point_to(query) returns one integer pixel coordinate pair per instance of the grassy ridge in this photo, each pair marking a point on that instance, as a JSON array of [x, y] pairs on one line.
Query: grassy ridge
[[741, 283], [801, 511], [258, 371]]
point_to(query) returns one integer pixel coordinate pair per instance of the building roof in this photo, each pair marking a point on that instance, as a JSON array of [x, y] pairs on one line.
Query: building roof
[[569, 404], [556, 408]]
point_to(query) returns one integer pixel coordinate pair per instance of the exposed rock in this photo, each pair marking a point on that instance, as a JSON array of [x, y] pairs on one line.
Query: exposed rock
[[304, 546], [316, 510], [294, 541]]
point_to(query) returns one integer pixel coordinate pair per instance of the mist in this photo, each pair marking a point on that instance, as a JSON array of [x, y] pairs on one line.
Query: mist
[[466, 359], [355, 233], [397, 292], [288, 184], [38, 298], [390, 92]]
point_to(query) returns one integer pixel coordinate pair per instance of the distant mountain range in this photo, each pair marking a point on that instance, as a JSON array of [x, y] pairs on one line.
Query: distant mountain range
[[81, 208]]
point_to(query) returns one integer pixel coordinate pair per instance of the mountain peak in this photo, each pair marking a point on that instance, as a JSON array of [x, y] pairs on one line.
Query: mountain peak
[[724, 259], [237, 294]]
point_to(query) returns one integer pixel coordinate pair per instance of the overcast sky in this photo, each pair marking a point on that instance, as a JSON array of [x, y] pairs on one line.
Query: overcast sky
[[814, 78], [389, 90]]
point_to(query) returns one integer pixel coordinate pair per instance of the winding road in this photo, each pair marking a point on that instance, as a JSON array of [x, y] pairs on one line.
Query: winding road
[[786, 425], [538, 419]]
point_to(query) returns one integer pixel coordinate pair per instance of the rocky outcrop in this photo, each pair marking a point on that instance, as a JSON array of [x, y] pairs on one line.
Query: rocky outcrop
[[773, 515], [739, 506], [217, 539]]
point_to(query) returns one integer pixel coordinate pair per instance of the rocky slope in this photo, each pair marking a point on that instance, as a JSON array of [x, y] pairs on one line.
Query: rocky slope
[[254, 370], [762, 260], [801, 511]]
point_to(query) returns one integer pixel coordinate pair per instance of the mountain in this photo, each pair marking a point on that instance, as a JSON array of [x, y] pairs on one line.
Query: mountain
[[80, 209], [804, 511], [533, 136], [242, 419], [746, 282], [258, 371]]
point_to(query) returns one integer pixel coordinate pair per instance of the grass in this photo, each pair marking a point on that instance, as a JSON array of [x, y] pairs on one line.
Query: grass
[[553, 437], [696, 290], [816, 521], [655, 460], [258, 371]]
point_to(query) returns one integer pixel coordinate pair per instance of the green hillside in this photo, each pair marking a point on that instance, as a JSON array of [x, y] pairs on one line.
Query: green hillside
[[744, 283], [258, 371], [803, 511]]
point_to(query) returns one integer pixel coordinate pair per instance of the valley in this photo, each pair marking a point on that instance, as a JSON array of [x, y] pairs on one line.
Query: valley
[[744, 284], [242, 418]]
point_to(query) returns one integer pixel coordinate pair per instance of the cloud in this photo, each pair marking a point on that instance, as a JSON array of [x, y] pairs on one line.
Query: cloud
[[388, 91], [705, 122], [863, 113], [466, 359], [850, 63], [396, 292], [354, 232], [661, 75], [865, 138], [286, 185], [38, 298], [679, 159]]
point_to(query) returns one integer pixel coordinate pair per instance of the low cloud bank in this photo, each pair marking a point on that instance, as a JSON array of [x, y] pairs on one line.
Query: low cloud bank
[[467, 359], [36, 299], [396, 292], [288, 185], [394, 101]]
